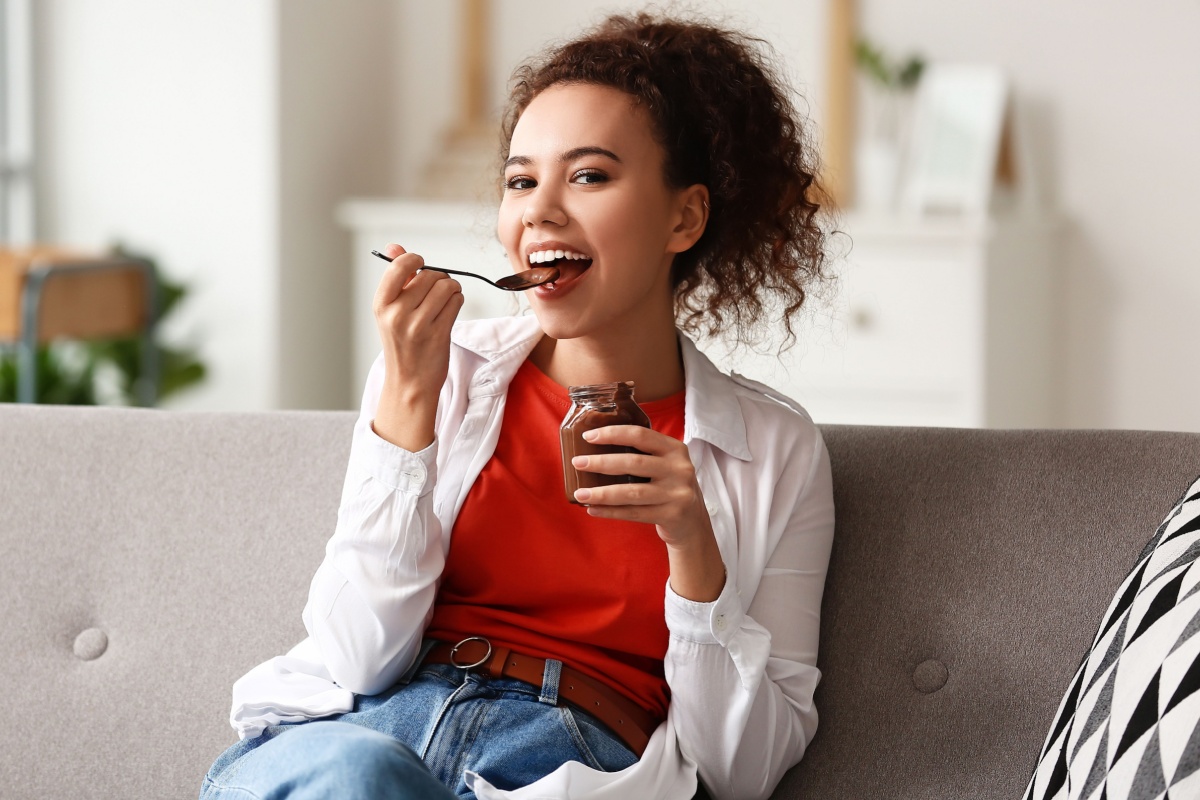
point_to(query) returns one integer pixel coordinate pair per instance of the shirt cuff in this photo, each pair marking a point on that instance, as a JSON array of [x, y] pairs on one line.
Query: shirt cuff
[[705, 623], [400, 469]]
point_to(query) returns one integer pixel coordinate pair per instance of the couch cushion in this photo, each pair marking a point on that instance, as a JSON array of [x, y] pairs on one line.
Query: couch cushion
[[149, 559], [968, 570], [1128, 725]]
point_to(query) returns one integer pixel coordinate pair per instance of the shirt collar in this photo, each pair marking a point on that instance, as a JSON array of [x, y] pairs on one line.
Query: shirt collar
[[503, 342], [711, 409]]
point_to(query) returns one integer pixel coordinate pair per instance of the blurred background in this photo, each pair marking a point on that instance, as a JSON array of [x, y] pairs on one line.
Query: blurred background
[[1016, 183]]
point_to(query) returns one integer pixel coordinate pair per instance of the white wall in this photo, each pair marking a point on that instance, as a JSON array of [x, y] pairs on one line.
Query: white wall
[[156, 126], [336, 139], [1111, 92], [523, 28], [218, 136]]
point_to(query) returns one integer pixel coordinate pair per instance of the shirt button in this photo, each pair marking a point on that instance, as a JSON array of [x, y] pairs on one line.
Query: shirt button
[[416, 474], [720, 624], [712, 507]]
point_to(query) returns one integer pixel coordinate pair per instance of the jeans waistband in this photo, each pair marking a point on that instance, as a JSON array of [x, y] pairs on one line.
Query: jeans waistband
[[628, 721]]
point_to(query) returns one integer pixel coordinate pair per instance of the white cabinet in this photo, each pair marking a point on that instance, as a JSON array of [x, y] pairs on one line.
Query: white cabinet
[[930, 322]]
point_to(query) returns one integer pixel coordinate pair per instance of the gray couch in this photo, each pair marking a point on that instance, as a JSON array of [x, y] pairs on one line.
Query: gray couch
[[150, 558]]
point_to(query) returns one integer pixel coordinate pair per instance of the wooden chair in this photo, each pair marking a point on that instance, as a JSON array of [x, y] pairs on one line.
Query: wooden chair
[[48, 293]]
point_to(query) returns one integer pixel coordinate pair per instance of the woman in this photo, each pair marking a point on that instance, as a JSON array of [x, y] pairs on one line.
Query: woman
[[471, 632]]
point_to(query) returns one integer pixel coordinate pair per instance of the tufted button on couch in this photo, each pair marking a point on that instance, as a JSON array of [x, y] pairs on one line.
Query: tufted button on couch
[[150, 558]]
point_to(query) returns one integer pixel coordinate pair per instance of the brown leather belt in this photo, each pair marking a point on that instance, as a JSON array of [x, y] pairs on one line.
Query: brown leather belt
[[631, 723]]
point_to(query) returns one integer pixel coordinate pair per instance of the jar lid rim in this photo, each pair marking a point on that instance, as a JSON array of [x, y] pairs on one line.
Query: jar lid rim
[[600, 387]]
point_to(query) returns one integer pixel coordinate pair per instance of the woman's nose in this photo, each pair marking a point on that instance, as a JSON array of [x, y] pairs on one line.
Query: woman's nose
[[543, 207]]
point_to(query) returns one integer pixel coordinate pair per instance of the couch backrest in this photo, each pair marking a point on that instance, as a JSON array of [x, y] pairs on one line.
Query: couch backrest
[[187, 541], [979, 562]]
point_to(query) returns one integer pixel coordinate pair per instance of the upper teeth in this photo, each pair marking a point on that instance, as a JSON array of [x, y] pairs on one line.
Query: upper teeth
[[542, 256]]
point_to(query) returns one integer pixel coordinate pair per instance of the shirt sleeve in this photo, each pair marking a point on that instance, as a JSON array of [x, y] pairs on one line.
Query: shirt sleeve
[[372, 595], [742, 678]]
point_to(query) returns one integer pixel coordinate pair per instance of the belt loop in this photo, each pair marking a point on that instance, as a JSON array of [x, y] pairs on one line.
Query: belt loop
[[550, 677]]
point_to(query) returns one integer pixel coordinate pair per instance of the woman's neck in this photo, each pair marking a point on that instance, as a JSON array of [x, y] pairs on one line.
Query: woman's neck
[[653, 361]]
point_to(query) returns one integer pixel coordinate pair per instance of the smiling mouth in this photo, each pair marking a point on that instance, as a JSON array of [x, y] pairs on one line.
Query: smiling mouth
[[570, 264]]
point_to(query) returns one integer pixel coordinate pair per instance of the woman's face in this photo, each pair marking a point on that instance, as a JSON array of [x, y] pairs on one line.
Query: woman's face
[[585, 192]]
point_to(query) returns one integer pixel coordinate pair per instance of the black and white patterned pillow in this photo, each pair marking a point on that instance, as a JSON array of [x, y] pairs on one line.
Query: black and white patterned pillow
[[1129, 726]]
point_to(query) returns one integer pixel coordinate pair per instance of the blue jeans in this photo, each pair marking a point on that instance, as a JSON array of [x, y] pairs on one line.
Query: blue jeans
[[414, 742]]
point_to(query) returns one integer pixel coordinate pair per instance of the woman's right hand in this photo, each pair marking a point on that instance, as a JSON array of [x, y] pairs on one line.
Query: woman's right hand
[[414, 312]]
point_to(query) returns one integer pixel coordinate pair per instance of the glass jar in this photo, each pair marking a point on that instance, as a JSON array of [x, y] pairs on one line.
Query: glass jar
[[597, 406]]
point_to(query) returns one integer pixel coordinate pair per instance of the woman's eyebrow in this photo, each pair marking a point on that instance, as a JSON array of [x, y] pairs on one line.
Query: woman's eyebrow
[[570, 155], [579, 152]]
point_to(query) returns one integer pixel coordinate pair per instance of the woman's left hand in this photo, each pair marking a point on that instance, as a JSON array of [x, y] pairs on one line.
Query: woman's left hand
[[671, 501]]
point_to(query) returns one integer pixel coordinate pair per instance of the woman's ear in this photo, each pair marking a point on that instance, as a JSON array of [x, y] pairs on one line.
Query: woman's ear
[[692, 218]]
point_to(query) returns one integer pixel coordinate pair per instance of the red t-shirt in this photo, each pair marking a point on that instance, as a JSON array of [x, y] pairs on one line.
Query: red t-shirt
[[534, 573]]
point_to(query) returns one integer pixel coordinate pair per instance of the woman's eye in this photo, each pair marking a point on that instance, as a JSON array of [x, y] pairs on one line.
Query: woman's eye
[[586, 176], [519, 182]]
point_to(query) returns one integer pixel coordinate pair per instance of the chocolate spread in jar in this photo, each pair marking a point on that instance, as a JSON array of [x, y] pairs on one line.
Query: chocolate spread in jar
[[597, 406]]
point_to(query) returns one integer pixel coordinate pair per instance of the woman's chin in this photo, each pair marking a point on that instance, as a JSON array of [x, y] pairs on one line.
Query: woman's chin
[[557, 324]]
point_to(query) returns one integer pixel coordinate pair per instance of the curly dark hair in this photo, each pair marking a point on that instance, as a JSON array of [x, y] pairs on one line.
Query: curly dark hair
[[725, 121]]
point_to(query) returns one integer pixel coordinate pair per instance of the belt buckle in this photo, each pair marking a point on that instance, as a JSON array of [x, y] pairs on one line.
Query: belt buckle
[[480, 662]]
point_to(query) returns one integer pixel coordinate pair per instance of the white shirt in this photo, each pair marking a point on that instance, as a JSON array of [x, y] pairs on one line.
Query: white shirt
[[741, 669]]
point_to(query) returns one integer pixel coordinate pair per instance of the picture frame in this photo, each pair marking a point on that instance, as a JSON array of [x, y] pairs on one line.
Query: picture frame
[[960, 116]]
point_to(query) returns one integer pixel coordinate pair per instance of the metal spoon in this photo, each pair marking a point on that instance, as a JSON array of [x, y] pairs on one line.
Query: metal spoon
[[517, 282]]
